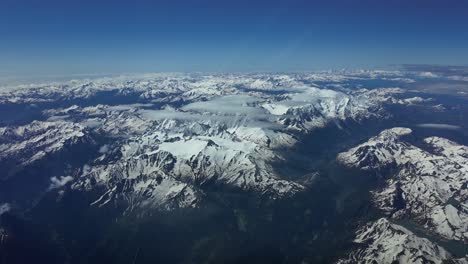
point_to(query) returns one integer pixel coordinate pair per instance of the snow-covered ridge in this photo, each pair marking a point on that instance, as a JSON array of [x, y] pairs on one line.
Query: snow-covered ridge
[[138, 183], [384, 242], [429, 186], [378, 152], [31, 142], [189, 154]]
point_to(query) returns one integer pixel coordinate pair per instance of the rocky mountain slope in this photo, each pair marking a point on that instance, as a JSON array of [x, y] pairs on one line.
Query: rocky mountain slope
[[427, 186], [384, 242]]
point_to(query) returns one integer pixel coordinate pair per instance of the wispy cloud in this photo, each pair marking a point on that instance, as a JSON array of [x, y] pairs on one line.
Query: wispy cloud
[[439, 126], [58, 182], [429, 70], [4, 208]]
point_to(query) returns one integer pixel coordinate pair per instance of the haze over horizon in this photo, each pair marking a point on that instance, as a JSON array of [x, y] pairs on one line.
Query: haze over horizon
[[81, 37]]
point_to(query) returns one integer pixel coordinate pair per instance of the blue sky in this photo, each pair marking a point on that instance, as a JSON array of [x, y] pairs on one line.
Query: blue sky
[[84, 36]]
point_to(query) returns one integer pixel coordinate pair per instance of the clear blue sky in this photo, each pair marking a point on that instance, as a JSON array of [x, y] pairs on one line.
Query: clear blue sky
[[84, 36]]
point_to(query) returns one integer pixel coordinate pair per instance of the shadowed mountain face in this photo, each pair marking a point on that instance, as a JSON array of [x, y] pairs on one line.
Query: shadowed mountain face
[[358, 166]]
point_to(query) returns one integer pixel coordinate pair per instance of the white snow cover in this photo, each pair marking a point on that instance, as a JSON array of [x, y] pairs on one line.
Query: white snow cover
[[276, 109], [32, 142], [315, 108], [222, 128], [384, 242], [187, 153], [144, 184], [378, 152], [431, 184]]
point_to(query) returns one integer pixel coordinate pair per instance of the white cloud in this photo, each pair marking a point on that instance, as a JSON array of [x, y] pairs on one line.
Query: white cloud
[[168, 114], [127, 107], [59, 182], [439, 126], [231, 105], [104, 149], [428, 74], [232, 110], [4, 208]]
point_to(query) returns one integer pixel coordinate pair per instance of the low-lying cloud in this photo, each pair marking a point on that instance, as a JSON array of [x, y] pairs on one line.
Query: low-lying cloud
[[232, 110], [232, 104], [4, 208]]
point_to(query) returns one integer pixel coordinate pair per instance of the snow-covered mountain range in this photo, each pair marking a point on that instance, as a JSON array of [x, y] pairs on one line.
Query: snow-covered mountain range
[[385, 242], [161, 141], [427, 185], [180, 131]]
